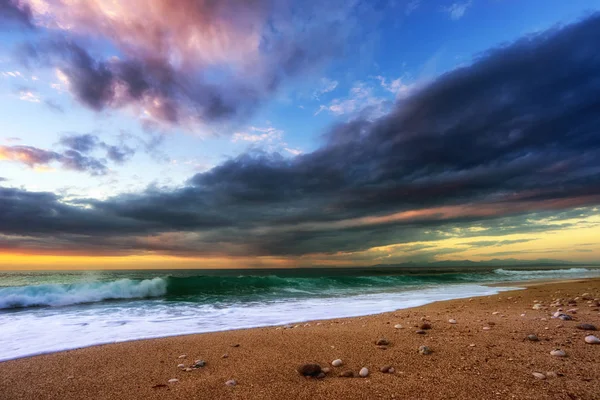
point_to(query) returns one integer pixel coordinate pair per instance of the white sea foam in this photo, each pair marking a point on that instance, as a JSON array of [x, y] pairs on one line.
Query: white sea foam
[[549, 272], [42, 330], [88, 292]]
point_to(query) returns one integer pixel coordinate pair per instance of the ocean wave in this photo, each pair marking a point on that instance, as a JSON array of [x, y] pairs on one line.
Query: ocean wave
[[79, 293], [501, 271]]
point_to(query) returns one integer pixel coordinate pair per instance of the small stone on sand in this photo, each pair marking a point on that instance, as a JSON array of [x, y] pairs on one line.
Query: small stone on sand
[[182, 356], [486, 328], [424, 350], [452, 321], [337, 363], [174, 380], [558, 353], [231, 382], [533, 338], [539, 375], [326, 370], [382, 342], [309, 369], [425, 325], [199, 364], [587, 327], [181, 366], [347, 374], [225, 356], [364, 372], [385, 369], [398, 326], [591, 339]]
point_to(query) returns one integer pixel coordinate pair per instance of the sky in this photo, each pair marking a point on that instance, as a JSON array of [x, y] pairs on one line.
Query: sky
[[263, 133]]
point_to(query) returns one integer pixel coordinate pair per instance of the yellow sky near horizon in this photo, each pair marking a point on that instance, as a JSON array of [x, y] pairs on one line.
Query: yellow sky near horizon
[[578, 243]]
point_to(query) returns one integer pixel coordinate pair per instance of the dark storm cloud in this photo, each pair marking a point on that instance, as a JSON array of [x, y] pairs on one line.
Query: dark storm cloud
[[13, 11], [249, 49], [513, 134], [87, 143]]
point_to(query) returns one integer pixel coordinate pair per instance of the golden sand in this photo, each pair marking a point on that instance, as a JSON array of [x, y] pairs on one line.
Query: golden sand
[[467, 362]]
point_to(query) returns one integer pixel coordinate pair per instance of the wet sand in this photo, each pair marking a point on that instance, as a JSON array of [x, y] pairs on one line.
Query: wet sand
[[467, 362]]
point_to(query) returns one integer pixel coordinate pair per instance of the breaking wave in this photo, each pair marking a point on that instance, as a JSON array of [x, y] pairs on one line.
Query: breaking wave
[[79, 293]]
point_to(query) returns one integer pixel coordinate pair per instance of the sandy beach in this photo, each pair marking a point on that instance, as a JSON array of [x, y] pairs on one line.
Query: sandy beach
[[484, 355]]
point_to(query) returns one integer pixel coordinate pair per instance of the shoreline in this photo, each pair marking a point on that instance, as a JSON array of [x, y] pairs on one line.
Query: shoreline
[[468, 361], [496, 288], [512, 286]]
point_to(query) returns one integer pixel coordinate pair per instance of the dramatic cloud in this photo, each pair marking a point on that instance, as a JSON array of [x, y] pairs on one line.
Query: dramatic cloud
[[508, 145], [187, 61], [70, 159], [88, 143], [76, 157], [15, 11]]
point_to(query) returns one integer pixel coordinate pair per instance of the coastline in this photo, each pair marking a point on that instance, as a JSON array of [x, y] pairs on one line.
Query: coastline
[[499, 365]]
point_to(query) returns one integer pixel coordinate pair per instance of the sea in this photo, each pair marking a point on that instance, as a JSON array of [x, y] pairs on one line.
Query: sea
[[48, 311]]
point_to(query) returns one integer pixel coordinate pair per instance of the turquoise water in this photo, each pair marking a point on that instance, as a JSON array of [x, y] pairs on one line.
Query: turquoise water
[[49, 311]]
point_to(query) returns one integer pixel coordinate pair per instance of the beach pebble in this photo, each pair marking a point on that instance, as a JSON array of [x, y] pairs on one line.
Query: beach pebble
[[188, 369], [181, 366], [424, 350], [586, 296], [420, 331], [452, 321], [364, 372], [472, 345], [231, 382], [398, 326], [591, 339], [533, 338], [309, 369], [337, 363], [539, 375], [174, 380], [391, 370], [347, 374], [235, 345], [486, 328], [386, 369], [495, 313], [225, 355], [326, 370], [586, 327], [537, 306], [321, 375], [182, 356], [199, 364], [382, 342], [558, 353], [551, 374], [425, 325]]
